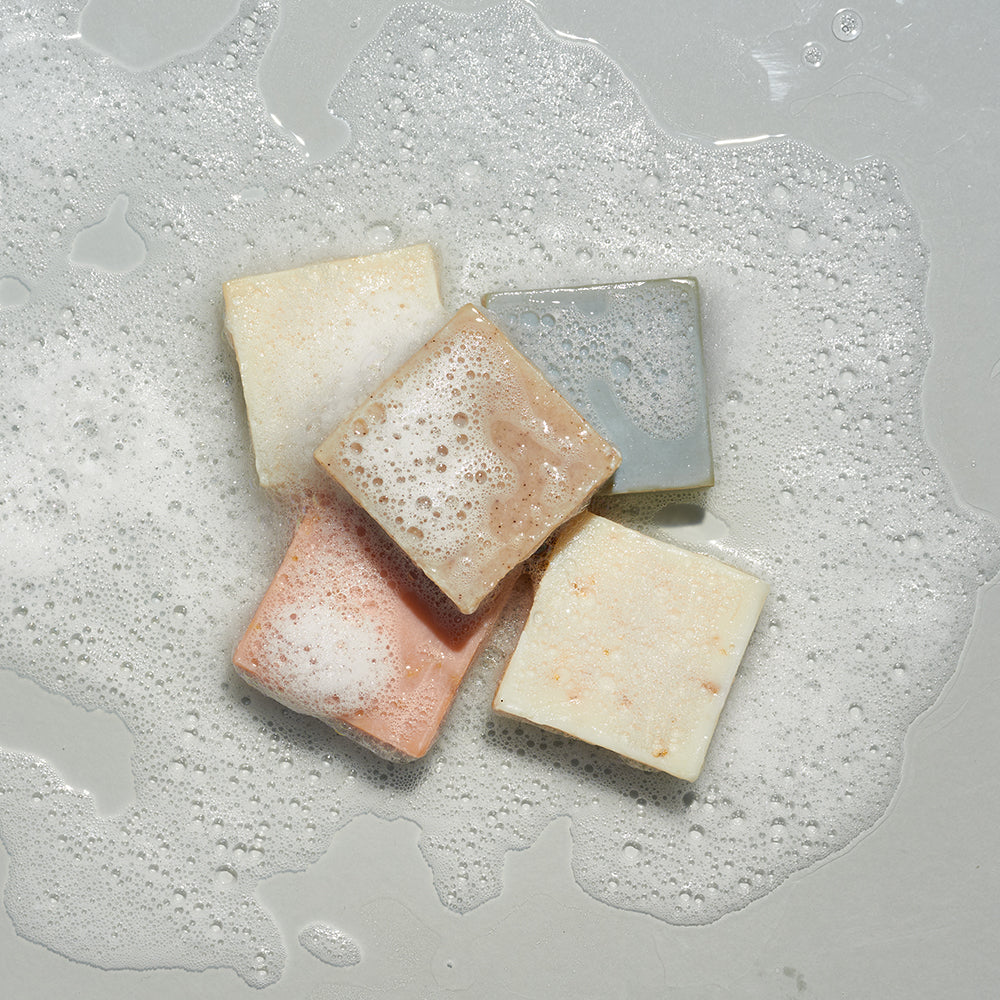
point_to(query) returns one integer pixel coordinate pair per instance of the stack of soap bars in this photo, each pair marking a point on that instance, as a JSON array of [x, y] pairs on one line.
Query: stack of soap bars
[[430, 457]]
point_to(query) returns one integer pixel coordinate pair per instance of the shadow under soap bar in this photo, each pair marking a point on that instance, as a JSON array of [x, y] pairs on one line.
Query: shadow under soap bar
[[468, 458], [351, 632], [628, 356]]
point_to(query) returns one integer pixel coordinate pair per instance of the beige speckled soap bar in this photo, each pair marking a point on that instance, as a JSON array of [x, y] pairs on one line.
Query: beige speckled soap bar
[[632, 644], [468, 458], [314, 341]]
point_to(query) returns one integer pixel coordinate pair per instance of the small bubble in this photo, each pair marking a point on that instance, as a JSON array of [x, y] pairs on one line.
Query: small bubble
[[847, 24], [620, 368], [472, 171], [380, 235], [813, 54], [225, 876]]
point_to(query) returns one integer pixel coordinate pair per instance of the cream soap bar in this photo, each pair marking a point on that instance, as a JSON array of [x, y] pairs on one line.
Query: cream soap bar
[[632, 644], [628, 357], [350, 631], [468, 458], [314, 341]]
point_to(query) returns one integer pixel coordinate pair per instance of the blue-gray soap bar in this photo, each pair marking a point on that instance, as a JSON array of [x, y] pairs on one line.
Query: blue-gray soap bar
[[628, 357]]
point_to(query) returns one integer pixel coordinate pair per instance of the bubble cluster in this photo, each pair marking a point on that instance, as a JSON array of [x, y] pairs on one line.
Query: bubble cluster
[[325, 643], [135, 543], [330, 944]]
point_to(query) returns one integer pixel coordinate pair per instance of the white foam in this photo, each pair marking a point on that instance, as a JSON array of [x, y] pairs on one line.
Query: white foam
[[133, 533], [315, 653], [330, 944]]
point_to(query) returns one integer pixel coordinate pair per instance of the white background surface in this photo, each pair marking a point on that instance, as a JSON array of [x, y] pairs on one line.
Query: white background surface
[[913, 909]]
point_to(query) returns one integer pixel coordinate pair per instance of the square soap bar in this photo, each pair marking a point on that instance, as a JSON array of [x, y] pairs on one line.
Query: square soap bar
[[632, 644], [628, 357], [468, 458], [352, 633], [314, 341]]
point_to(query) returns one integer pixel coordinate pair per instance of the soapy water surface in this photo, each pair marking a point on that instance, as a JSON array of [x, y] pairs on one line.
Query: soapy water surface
[[135, 543]]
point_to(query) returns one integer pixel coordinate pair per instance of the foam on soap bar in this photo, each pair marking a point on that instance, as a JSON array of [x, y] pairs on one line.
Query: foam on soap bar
[[314, 341], [352, 633], [628, 357], [632, 644], [468, 458]]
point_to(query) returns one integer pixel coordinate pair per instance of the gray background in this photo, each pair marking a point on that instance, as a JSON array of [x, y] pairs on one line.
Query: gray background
[[913, 909]]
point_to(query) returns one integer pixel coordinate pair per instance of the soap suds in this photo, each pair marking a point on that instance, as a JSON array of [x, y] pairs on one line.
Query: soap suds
[[330, 944], [136, 539]]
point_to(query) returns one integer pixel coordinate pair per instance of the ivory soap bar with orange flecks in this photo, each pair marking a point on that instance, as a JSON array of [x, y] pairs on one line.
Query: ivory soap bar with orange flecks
[[468, 458], [312, 342], [632, 644], [351, 632]]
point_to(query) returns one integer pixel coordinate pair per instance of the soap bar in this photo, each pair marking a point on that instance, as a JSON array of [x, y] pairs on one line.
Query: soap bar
[[628, 356], [468, 458], [314, 341], [632, 644], [350, 632]]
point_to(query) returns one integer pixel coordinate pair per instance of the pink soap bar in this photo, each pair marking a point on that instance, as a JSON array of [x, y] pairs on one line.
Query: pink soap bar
[[352, 633], [468, 458]]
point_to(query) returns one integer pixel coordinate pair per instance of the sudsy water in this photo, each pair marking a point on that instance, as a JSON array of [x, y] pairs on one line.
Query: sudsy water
[[135, 543]]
